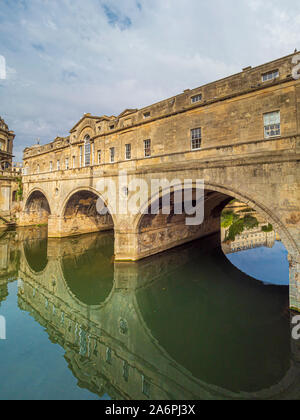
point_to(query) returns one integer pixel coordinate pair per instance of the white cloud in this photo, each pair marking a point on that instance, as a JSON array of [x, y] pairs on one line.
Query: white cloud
[[72, 57]]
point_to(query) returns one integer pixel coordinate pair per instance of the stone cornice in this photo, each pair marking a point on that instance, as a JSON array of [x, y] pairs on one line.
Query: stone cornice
[[112, 170]]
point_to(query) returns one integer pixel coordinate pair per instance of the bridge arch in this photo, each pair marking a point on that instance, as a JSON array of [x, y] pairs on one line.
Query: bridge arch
[[36, 208], [229, 194], [79, 213]]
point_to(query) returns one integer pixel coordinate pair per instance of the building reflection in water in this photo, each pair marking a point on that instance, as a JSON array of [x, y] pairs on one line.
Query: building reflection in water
[[185, 324], [252, 245]]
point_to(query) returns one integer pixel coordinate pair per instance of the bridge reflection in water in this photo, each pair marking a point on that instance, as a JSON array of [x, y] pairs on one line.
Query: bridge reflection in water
[[185, 324]]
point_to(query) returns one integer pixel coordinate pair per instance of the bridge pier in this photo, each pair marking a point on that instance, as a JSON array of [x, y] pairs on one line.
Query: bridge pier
[[134, 246], [294, 282], [64, 226]]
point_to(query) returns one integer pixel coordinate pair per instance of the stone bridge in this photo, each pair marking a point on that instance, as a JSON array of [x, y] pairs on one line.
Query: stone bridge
[[240, 135]]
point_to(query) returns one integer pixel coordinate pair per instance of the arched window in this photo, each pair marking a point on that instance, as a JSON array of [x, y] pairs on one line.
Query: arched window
[[87, 151]]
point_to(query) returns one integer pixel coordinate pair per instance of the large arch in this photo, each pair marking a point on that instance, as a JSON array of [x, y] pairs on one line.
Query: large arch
[[228, 194]]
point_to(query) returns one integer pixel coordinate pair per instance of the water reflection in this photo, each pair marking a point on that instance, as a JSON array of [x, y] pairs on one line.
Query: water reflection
[[185, 324], [252, 245]]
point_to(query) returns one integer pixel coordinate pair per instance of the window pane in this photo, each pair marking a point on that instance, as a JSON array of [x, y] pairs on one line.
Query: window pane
[[272, 118], [196, 138], [147, 148], [112, 155], [128, 151]]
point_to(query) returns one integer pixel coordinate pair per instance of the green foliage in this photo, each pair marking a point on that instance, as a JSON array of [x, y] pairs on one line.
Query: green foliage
[[268, 228], [235, 224], [19, 190], [235, 229], [250, 222], [228, 218]]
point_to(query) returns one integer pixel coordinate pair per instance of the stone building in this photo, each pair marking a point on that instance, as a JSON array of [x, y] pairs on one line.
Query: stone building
[[6, 145], [244, 107], [8, 174], [249, 239]]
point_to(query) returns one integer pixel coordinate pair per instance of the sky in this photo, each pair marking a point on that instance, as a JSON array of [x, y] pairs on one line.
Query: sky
[[65, 58], [269, 265]]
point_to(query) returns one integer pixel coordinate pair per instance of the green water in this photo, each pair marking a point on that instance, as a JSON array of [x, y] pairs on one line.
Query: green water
[[185, 324]]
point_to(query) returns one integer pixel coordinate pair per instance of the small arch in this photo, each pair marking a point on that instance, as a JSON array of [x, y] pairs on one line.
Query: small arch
[[92, 190], [37, 208], [80, 214]]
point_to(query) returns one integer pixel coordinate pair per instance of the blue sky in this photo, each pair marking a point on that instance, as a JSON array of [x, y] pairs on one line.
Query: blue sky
[[69, 57], [269, 265]]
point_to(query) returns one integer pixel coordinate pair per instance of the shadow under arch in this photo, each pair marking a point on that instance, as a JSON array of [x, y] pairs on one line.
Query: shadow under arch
[[224, 327], [79, 190], [229, 194], [93, 264], [35, 252], [36, 209], [80, 213]]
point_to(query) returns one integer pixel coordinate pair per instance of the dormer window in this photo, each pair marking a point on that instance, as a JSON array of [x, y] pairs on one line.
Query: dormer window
[[196, 98], [147, 114], [271, 75], [111, 127]]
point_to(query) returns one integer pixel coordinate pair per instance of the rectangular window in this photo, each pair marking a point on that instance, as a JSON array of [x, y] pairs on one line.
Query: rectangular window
[[127, 151], [80, 156], [58, 165], [147, 114], [93, 153], [196, 98], [196, 137], [271, 75], [87, 154], [99, 157], [67, 163], [112, 155], [272, 124], [51, 166], [147, 148], [111, 127], [74, 161]]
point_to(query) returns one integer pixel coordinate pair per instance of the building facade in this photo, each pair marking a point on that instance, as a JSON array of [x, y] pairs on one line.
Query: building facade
[[6, 145], [8, 174], [247, 107]]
